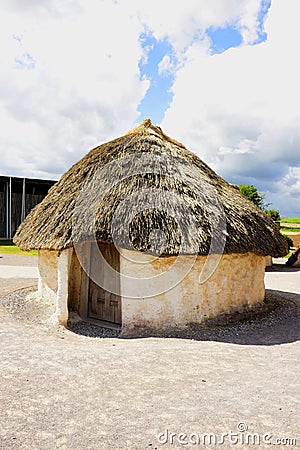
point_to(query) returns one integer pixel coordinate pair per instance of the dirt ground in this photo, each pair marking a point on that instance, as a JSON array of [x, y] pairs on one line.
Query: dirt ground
[[294, 236], [61, 390]]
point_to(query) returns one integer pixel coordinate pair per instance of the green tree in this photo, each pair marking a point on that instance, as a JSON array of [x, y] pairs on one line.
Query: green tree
[[274, 214], [252, 193], [289, 240]]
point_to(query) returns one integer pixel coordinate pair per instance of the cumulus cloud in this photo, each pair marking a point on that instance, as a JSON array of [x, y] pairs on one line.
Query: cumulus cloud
[[292, 180], [70, 76], [186, 21], [70, 79], [166, 66], [239, 110]]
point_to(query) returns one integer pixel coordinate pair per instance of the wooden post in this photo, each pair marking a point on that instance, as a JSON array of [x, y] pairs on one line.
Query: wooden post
[[85, 262], [23, 210], [9, 208]]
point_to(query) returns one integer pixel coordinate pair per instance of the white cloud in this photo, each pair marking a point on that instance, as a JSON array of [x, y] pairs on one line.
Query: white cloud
[[291, 181], [180, 23], [69, 75], [239, 110], [166, 66], [69, 79], [248, 23]]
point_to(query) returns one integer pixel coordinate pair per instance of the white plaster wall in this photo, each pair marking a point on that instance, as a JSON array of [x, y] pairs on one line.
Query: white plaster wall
[[238, 281], [63, 274], [54, 272], [269, 261], [48, 278]]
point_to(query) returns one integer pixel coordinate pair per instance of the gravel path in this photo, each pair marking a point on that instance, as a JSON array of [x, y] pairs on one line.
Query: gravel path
[[18, 260], [64, 390], [12, 283], [283, 278]]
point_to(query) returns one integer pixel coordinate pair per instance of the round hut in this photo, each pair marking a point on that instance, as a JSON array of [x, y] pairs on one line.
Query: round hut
[[141, 233]]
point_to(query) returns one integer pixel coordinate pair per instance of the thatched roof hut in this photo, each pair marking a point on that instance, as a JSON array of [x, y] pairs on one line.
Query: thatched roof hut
[[49, 225], [122, 193]]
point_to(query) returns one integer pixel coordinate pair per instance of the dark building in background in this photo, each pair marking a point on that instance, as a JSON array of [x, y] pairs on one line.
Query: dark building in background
[[17, 197]]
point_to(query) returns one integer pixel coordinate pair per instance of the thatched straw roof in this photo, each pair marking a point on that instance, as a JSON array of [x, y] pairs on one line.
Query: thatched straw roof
[[125, 190]]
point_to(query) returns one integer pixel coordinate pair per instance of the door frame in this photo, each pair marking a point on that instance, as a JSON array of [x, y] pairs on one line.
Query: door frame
[[85, 289]]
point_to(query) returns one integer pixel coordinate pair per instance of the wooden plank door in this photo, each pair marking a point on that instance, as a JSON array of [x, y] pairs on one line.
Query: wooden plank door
[[102, 304]]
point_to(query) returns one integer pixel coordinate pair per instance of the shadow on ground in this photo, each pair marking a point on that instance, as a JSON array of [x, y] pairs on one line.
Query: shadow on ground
[[282, 268], [276, 322]]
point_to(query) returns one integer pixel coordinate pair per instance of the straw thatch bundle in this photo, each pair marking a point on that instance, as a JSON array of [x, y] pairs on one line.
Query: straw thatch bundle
[[125, 190]]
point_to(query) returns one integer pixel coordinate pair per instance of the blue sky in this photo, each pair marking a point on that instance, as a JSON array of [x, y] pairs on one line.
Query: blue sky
[[222, 80], [224, 38], [265, 5], [159, 95]]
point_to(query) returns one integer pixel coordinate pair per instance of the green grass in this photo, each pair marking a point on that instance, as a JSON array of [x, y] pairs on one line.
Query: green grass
[[288, 255], [9, 248], [286, 229], [290, 220]]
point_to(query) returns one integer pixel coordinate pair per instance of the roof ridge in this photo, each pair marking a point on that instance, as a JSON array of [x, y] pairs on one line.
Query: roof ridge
[[147, 127]]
